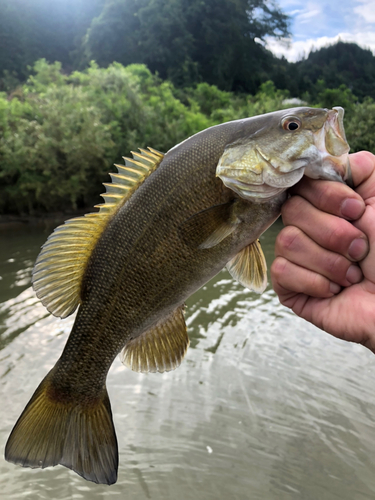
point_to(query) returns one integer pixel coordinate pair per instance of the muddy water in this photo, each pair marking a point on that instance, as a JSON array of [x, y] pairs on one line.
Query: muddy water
[[264, 406]]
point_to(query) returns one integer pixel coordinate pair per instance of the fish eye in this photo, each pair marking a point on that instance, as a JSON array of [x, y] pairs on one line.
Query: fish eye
[[291, 123]]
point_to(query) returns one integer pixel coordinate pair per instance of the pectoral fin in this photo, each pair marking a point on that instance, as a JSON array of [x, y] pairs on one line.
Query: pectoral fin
[[159, 349], [209, 227], [249, 267]]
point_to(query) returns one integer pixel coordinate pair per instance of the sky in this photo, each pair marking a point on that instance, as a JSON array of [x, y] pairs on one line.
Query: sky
[[316, 23]]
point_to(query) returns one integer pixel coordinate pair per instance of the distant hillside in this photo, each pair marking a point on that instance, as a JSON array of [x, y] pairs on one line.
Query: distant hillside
[[185, 41], [342, 63]]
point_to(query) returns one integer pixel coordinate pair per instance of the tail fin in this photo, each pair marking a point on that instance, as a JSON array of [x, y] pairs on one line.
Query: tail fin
[[81, 437]]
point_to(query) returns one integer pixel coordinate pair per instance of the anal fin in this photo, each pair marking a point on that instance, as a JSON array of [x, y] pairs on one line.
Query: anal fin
[[159, 349], [249, 267]]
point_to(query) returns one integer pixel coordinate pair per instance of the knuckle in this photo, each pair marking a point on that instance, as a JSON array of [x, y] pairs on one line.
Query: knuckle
[[288, 240], [336, 265], [341, 235], [318, 282], [285, 301], [337, 235], [278, 268], [291, 208], [323, 193]]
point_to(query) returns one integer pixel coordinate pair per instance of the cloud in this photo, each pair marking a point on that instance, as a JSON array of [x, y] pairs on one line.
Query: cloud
[[306, 16], [294, 51], [366, 9], [317, 23]]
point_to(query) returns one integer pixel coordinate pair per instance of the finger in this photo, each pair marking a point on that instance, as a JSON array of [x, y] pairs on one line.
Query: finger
[[332, 197], [330, 232], [363, 168], [295, 246], [367, 224], [289, 279]]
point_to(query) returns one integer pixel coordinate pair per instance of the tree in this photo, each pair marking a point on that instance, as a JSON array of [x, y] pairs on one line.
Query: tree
[[189, 40], [341, 63], [31, 29], [114, 35]]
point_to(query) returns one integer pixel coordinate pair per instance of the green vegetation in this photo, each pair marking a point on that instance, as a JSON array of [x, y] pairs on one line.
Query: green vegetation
[[339, 64], [60, 135], [184, 41], [181, 66], [188, 41]]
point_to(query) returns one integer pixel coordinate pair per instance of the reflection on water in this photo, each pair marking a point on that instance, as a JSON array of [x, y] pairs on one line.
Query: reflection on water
[[264, 406]]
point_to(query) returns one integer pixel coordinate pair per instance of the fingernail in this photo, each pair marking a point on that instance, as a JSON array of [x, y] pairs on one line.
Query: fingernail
[[352, 208], [354, 274], [358, 249], [334, 288]]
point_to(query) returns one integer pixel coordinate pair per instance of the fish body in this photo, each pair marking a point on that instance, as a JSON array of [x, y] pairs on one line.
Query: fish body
[[198, 208]]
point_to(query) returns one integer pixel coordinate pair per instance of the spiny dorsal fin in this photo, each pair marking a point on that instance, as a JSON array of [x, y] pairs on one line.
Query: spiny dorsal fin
[[60, 266], [159, 349], [249, 267]]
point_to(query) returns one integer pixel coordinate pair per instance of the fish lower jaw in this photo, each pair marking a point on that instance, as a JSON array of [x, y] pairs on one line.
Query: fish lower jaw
[[253, 192], [333, 168], [273, 184]]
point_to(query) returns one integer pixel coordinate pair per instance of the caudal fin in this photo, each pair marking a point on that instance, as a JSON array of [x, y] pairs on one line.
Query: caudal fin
[[81, 437]]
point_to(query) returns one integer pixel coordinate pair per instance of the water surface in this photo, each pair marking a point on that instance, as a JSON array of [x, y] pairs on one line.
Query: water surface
[[264, 406]]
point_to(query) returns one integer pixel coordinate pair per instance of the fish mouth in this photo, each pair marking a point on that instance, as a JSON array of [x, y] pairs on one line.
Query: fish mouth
[[332, 160], [335, 139]]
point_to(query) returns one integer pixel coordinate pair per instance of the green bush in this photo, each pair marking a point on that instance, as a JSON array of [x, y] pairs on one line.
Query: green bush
[[60, 134], [360, 126]]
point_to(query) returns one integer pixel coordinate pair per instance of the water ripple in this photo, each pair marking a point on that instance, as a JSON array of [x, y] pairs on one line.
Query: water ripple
[[264, 406]]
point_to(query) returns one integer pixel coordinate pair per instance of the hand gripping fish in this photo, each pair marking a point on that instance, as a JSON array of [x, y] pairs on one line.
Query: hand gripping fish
[[169, 223]]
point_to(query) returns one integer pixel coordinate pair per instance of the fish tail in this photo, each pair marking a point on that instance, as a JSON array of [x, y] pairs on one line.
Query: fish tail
[[53, 430]]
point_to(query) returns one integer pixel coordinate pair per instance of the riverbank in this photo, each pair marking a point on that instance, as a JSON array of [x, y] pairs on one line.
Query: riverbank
[[45, 220]]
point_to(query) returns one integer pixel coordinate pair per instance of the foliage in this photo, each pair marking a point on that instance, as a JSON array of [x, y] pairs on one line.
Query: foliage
[[188, 41], [32, 29], [360, 126], [60, 134], [184, 41], [359, 116], [341, 63]]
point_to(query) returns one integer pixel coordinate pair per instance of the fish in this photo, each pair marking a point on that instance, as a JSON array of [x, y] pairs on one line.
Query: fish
[[168, 224]]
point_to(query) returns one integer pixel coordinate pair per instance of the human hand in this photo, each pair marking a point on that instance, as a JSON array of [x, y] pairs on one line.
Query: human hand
[[325, 265]]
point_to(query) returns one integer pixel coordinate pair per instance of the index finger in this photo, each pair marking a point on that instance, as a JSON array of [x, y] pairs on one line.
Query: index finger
[[337, 198]]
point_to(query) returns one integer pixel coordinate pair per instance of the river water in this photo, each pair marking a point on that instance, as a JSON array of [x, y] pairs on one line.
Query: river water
[[264, 406]]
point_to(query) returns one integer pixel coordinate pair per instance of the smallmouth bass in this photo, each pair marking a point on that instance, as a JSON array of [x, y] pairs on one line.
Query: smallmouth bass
[[169, 224]]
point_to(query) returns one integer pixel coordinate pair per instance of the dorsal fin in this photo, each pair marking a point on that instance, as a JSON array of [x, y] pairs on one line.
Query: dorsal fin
[[60, 266]]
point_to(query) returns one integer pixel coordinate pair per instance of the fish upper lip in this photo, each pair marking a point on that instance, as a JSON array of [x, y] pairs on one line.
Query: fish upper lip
[[335, 124]]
